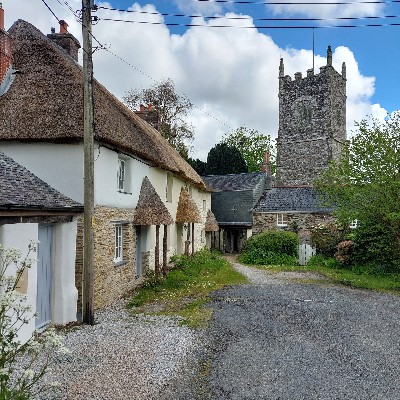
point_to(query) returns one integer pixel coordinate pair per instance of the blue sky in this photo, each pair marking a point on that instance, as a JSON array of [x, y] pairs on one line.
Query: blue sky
[[230, 74]]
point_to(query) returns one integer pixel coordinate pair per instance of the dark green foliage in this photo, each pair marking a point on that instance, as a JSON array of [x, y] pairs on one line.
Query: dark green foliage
[[199, 166], [321, 260], [377, 242], [271, 248], [223, 159]]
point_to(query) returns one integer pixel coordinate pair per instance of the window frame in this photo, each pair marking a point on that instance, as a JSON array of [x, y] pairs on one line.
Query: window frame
[[119, 244], [121, 171], [353, 224], [281, 220]]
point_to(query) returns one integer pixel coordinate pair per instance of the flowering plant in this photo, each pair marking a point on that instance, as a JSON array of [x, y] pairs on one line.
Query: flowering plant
[[22, 365]]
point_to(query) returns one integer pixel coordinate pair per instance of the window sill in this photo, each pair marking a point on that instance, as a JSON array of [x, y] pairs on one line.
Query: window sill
[[120, 263], [123, 192]]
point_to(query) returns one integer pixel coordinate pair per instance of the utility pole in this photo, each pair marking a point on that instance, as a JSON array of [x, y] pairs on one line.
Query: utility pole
[[88, 143]]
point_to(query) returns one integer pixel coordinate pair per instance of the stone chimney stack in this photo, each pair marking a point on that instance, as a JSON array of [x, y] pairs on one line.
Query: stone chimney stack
[[66, 40], [5, 48]]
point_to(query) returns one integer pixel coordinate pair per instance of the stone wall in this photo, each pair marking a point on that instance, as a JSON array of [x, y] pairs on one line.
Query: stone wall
[[111, 280], [298, 222], [312, 123]]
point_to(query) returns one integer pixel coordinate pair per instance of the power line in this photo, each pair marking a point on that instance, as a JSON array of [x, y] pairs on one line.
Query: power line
[[55, 16], [249, 17], [250, 27], [302, 3]]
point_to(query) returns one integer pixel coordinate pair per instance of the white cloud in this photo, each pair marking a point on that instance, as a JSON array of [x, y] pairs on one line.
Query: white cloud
[[322, 9], [231, 73], [203, 8]]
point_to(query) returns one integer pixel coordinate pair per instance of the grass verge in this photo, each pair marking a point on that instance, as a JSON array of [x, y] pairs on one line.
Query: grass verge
[[186, 288], [380, 283]]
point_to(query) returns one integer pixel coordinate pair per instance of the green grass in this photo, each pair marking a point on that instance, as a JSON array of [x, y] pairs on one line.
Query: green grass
[[186, 288], [357, 279]]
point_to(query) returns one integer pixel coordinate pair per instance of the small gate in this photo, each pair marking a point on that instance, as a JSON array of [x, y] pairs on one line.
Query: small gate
[[44, 275], [305, 253]]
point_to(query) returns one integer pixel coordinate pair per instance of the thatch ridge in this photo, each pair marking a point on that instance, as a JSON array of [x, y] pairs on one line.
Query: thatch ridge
[[187, 210], [150, 209], [49, 92], [211, 224]]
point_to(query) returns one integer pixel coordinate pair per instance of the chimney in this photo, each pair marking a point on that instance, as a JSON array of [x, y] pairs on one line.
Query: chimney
[[5, 48], [150, 107], [266, 165], [65, 40]]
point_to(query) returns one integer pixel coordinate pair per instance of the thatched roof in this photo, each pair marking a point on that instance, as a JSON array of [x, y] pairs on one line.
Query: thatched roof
[[150, 210], [187, 210], [211, 224], [44, 103]]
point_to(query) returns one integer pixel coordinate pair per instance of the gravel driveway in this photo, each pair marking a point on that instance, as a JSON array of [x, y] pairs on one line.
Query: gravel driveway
[[275, 338]]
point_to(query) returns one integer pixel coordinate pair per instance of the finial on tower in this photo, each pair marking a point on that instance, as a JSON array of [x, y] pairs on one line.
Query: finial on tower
[[281, 69], [329, 57], [344, 70]]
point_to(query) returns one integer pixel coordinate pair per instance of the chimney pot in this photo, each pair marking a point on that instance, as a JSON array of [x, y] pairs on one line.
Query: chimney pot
[[53, 30], [63, 26], [1, 17], [150, 107]]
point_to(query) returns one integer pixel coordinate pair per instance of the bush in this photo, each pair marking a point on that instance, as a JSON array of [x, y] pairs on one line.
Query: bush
[[321, 260], [326, 237], [377, 243], [271, 247], [344, 251]]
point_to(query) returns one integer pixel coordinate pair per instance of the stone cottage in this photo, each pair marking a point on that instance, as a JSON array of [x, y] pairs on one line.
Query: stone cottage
[[41, 128], [312, 131]]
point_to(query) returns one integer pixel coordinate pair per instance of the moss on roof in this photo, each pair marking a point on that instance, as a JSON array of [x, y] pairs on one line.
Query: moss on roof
[[45, 103]]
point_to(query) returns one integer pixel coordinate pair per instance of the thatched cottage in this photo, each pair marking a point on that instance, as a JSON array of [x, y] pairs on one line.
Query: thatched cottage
[[42, 128]]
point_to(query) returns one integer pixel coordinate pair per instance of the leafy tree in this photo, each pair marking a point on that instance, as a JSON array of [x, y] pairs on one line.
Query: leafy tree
[[223, 159], [169, 112], [364, 184], [252, 146], [199, 166]]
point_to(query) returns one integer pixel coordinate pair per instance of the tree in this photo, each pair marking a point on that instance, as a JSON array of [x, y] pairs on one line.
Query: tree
[[199, 166], [167, 113], [223, 159], [252, 146], [364, 185]]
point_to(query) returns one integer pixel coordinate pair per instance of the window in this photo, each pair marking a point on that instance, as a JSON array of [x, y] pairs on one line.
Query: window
[[353, 224], [170, 181], [204, 205], [118, 244], [281, 220], [121, 175]]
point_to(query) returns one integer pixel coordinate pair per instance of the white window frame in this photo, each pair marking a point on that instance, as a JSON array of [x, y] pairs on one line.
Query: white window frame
[[353, 224], [119, 244], [121, 174], [281, 220]]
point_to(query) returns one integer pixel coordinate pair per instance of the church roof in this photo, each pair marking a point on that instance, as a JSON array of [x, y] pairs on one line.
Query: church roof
[[232, 182], [290, 199], [21, 189], [44, 103]]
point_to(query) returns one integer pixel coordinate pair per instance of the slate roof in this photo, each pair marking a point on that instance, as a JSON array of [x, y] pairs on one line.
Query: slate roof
[[300, 199], [20, 189], [232, 182], [44, 103]]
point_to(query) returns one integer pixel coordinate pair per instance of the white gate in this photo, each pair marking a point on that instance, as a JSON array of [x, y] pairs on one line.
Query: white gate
[[44, 275], [305, 253]]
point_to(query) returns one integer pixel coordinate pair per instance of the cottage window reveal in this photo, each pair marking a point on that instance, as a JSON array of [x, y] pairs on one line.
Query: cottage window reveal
[[281, 220], [118, 244], [169, 187], [121, 174], [204, 205]]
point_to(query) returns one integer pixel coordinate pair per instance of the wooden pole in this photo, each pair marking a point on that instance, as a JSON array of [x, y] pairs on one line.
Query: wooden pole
[[165, 238], [187, 242], [157, 252], [192, 238], [88, 144]]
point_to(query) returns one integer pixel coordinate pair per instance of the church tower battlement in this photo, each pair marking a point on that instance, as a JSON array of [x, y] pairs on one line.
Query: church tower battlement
[[312, 123]]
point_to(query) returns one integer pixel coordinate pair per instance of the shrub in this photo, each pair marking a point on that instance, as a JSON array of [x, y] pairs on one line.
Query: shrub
[[344, 251], [326, 237], [321, 260], [271, 247]]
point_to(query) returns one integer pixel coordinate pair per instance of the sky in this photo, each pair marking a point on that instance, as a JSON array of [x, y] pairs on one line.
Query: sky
[[228, 66]]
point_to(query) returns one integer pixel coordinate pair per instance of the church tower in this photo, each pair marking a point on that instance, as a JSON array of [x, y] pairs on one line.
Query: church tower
[[312, 123]]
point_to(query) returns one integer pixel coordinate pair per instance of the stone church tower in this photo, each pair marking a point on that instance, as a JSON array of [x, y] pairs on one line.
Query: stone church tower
[[312, 123]]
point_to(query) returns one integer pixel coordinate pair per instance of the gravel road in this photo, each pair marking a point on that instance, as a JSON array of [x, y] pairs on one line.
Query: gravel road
[[284, 336]]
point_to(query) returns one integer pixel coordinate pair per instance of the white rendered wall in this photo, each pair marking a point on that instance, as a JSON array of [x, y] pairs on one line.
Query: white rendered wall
[[106, 183], [59, 165], [65, 294], [19, 236]]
